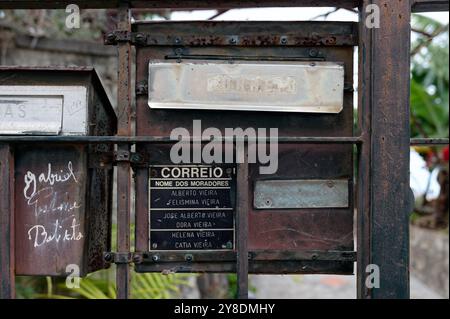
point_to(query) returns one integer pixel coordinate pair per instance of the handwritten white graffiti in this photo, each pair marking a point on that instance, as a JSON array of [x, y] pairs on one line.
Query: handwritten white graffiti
[[42, 193], [40, 235]]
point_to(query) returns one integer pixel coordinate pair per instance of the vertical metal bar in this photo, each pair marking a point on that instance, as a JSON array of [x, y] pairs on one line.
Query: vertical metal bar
[[386, 87], [7, 281], [123, 168], [364, 151], [242, 228]]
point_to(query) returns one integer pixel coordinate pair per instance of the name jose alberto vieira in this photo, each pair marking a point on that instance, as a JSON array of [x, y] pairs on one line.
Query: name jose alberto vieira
[[223, 308]]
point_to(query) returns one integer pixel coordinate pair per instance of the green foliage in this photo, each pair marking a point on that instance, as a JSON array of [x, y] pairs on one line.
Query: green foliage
[[429, 79], [101, 285]]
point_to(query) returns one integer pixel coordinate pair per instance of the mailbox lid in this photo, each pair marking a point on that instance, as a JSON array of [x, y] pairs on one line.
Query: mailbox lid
[[303, 87]]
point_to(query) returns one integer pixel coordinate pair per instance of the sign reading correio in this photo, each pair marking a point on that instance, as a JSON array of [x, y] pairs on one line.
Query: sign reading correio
[[191, 207]]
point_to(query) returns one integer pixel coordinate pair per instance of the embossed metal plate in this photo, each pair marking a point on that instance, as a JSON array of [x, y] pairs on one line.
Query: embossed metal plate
[[287, 194], [247, 86], [43, 110]]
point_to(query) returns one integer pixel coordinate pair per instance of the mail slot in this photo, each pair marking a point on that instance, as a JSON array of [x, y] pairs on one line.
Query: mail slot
[[296, 77], [62, 191]]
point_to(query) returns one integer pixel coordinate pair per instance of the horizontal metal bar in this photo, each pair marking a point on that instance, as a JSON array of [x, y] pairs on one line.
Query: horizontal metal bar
[[230, 256], [243, 58], [167, 140], [417, 5], [430, 5], [174, 4], [429, 141]]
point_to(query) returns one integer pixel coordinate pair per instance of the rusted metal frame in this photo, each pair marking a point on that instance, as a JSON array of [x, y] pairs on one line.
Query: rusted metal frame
[[123, 167], [429, 141], [429, 5], [174, 4], [288, 39], [167, 140], [383, 197], [417, 5], [230, 256], [242, 208], [7, 280]]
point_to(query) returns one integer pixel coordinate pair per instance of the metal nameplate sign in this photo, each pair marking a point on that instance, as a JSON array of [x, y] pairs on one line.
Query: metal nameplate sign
[[31, 114], [191, 207], [290, 194], [43, 110], [247, 86]]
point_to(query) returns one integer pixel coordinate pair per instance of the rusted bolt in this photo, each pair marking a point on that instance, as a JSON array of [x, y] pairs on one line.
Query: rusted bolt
[[111, 38], [136, 158], [141, 38], [313, 53], [155, 258], [189, 258], [107, 257], [137, 259]]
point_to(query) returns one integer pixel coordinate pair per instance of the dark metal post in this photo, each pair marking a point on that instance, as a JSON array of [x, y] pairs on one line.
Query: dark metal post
[[242, 229], [6, 223], [123, 167], [383, 198]]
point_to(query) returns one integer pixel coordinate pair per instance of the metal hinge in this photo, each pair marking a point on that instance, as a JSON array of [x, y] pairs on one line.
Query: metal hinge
[[117, 36]]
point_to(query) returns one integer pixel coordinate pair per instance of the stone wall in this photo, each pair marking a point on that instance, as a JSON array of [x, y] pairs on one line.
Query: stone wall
[[430, 258]]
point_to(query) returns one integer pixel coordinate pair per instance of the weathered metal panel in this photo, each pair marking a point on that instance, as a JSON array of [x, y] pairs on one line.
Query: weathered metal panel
[[316, 87], [284, 230], [51, 221], [43, 110], [287, 194]]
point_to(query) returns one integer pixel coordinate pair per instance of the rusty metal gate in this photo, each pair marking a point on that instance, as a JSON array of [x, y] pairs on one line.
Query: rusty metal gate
[[261, 225]]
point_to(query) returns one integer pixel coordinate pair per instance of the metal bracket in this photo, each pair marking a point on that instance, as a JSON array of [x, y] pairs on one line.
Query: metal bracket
[[117, 36], [126, 156], [122, 257]]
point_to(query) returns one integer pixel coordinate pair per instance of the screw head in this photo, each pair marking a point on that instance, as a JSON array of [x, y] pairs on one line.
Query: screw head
[[313, 53], [141, 38], [107, 257], [155, 258], [177, 40], [189, 258], [233, 41]]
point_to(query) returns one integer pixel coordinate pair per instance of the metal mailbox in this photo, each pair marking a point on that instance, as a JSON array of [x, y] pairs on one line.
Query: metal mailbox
[[63, 192], [296, 77]]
